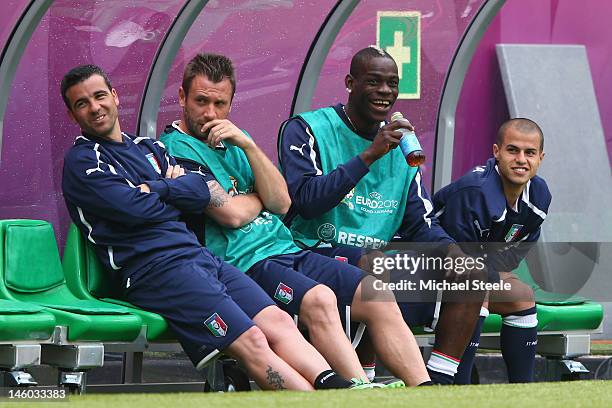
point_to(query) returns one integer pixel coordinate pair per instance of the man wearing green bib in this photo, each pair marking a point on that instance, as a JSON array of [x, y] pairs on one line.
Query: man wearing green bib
[[352, 190], [242, 227]]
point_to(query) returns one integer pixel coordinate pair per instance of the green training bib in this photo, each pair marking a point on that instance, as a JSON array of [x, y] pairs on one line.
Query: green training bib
[[263, 237], [371, 213]]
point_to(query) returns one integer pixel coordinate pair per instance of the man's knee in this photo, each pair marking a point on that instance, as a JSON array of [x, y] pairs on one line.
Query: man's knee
[[372, 303], [523, 294], [372, 289], [519, 297], [250, 344], [318, 304], [275, 324]]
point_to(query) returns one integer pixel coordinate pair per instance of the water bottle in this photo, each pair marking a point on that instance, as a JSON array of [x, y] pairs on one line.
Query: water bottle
[[409, 144]]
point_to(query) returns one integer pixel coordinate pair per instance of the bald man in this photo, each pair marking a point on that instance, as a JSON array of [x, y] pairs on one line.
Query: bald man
[[503, 202]]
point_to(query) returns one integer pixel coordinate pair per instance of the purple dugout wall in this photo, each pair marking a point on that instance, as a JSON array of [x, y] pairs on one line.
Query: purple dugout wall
[[268, 41]]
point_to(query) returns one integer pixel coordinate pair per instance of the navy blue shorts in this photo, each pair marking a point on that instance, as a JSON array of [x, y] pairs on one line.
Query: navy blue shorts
[[287, 278], [208, 303], [350, 255]]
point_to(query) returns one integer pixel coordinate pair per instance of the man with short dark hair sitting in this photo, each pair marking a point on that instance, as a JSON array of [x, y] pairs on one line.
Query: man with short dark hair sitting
[[125, 194]]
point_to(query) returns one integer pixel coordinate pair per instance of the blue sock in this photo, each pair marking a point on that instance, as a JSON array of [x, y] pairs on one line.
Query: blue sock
[[438, 378], [442, 368], [518, 338], [464, 371]]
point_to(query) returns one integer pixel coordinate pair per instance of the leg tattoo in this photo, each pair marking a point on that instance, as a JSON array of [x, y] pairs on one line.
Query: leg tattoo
[[275, 379]]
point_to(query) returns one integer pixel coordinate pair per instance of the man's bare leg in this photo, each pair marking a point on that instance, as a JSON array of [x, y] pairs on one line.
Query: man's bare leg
[[393, 341], [289, 344], [455, 327], [319, 313], [268, 370]]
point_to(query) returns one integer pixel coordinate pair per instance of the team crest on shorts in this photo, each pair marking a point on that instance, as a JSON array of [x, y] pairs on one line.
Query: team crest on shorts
[[216, 325], [513, 232], [284, 293], [153, 160]]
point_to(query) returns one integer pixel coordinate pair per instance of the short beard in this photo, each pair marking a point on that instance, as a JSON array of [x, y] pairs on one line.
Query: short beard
[[192, 126]]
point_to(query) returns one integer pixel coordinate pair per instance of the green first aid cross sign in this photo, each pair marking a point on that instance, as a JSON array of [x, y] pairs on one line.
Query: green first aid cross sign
[[399, 33]]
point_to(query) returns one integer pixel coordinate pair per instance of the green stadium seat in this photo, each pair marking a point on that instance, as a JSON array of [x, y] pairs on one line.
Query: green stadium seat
[[21, 321], [88, 280], [556, 312], [31, 271]]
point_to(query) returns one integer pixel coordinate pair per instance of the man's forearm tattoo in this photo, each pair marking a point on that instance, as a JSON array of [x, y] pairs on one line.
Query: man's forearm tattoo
[[218, 197], [275, 379]]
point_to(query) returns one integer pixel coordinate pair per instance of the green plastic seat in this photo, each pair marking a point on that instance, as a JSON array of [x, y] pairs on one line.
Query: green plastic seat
[[556, 312], [21, 321], [88, 280], [542, 296], [31, 271]]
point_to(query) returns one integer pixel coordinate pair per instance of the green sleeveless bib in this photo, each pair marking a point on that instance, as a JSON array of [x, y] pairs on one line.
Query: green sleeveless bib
[[371, 213], [242, 247]]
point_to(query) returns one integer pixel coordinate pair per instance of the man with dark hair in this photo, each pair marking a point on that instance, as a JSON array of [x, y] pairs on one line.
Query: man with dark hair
[[125, 194], [351, 190], [76, 75], [243, 228], [213, 66], [504, 202]]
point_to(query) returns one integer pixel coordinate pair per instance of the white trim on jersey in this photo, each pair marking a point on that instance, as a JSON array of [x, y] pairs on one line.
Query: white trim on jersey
[[426, 203], [111, 258], [440, 212], [533, 208], [86, 224], [111, 168], [313, 154], [501, 217], [140, 139], [99, 162]]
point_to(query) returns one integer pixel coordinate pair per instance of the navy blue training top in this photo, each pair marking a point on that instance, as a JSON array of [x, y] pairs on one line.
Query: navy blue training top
[[131, 230], [474, 209]]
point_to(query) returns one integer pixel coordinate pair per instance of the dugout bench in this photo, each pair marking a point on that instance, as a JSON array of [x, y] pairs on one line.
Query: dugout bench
[[565, 323], [66, 317]]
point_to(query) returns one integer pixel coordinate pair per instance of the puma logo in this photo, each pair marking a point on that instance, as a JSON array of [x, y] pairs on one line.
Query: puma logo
[[299, 149], [483, 232]]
